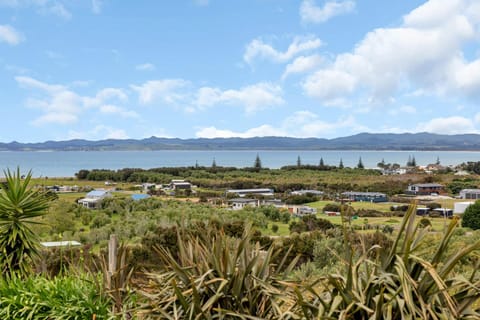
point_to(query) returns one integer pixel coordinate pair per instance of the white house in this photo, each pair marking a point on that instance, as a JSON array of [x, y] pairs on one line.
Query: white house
[[93, 199], [243, 192], [240, 203], [473, 194], [305, 192]]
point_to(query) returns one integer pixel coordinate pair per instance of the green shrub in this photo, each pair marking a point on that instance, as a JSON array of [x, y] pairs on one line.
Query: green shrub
[[471, 217], [36, 297]]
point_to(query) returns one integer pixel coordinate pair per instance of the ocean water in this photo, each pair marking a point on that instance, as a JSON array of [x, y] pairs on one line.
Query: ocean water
[[67, 163]]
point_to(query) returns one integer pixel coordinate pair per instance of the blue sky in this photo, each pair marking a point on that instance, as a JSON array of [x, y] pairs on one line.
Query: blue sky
[[97, 69]]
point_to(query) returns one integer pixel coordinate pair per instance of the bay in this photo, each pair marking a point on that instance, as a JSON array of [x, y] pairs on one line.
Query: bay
[[67, 163]]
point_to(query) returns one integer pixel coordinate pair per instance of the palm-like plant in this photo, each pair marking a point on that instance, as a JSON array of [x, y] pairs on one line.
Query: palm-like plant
[[19, 205], [219, 278], [398, 284]]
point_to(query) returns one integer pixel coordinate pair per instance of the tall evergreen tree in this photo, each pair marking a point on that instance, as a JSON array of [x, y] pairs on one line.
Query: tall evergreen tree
[[340, 165], [438, 161], [214, 163], [321, 164], [258, 163], [414, 162], [299, 161], [360, 164], [409, 162]]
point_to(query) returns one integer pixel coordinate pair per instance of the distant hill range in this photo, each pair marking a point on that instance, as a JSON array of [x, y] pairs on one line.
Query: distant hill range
[[362, 141]]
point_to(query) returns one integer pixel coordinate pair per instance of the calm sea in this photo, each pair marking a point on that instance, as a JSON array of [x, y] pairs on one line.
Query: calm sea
[[66, 164]]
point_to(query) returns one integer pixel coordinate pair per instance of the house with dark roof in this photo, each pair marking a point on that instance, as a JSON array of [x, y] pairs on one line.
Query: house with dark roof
[[365, 196], [425, 189]]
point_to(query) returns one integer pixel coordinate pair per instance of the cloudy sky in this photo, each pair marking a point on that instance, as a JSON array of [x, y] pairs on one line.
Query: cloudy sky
[[98, 69]]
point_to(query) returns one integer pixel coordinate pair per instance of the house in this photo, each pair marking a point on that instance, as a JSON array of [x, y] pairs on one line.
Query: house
[[93, 199], [240, 203], [300, 211], [394, 171], [243, 192], [273, 202], [425, 189], [473, 194], [306, 192], [180, 185], [365, 196]]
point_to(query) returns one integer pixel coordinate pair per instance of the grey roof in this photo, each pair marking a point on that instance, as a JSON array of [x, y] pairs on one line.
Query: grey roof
[[367, 194], [470, 191], [96, 193], [427, 185], [250, 190], [242, 200]]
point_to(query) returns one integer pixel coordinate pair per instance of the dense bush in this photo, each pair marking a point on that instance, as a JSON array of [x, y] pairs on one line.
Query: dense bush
[[66, 297], [310, 223], [471, 217]]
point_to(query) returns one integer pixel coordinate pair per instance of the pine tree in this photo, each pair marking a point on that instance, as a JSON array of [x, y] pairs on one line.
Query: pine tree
[[214, 163], [438, 161], [414, 162], [321, 164], [299, 161], [258, 163], [340, 165], [360, 164], [409, 162]]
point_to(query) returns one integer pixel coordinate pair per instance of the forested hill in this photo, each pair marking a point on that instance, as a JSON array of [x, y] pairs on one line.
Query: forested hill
[[362, 141]]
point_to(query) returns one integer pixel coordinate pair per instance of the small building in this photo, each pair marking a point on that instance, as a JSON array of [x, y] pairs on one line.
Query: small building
[[460, 207], [425, 189], [306, 192], [243, 192], [365, 196], [273, 202], [473, 194], [180, 185], [58, 244], [240, 203], [444, 212], [93, 199], [300, 211], [422, 211]]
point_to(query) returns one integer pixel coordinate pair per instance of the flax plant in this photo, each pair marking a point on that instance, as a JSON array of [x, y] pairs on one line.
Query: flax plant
[[219, 278], [397, 283]]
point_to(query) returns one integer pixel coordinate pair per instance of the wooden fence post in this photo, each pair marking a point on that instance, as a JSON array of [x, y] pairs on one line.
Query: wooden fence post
[[112, 258]]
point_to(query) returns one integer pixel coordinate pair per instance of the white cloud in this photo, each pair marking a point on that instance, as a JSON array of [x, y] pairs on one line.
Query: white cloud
[[403, 109], [302, 124], [145, 67], [167, 91], [477, 118], [302, 64], [424, 54], [112, 109], [61, 105], [330, 85], [97, 6], [47, 7], [310, 12], [259, 49], [9, 35], [252, 98], [99, 132], [449, 125]]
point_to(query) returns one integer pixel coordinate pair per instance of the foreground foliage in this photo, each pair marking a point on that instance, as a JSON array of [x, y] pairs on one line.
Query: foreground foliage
[[19, 205], [223, 278], [37, 297]]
